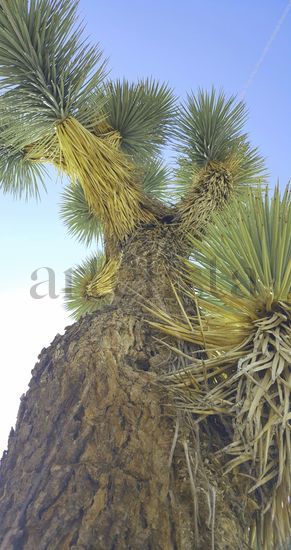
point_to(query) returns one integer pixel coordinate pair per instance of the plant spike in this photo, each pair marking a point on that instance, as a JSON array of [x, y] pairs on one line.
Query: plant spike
[[210, 125], [217, 162]]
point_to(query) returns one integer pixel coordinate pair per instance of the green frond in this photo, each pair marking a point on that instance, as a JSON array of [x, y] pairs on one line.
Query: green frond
[[240, 270], [210, 126], [91, 285], [247, 252], [154, 178], [77, 215], [142, 113], [47, 70], [18, 175], [217, 163], [250, 170]]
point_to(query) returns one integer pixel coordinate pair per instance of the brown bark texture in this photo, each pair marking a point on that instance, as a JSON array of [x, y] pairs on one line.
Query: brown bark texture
[[91, 464]]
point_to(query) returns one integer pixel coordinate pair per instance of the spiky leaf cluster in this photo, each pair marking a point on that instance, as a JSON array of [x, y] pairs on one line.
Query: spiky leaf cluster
[[245, 258], [210, 126], [143, 113], [240, 270], [18, 175], [46, 70], [211, 130], [77, 215], [154, 178]]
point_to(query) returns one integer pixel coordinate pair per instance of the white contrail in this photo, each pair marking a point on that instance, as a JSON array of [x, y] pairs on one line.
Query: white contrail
[[266, 49]]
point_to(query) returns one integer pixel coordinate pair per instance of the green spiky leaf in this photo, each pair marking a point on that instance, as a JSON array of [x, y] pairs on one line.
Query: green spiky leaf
[[154, 178], [75, 212], [142, 113], [211, 130], [245, 257], [19, 176], [210, 125], [240, 272], [47, 70]]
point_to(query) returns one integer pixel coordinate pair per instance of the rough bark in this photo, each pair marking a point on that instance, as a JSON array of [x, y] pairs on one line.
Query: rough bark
[[88, 464]]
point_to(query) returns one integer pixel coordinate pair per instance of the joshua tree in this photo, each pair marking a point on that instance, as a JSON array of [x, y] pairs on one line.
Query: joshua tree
[[161, 419]]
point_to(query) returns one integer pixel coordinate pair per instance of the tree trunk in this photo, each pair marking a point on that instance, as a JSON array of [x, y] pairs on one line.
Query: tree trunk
[[91, 464]]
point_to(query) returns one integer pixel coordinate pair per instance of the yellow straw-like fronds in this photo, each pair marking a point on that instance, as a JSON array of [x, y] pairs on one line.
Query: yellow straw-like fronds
[[104, 282], [250, 386], [46, 150], [106, 175], [91, 285], [217, 332]]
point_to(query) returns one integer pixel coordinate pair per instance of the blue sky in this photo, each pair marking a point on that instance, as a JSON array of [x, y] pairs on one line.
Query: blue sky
[[189, 44]]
